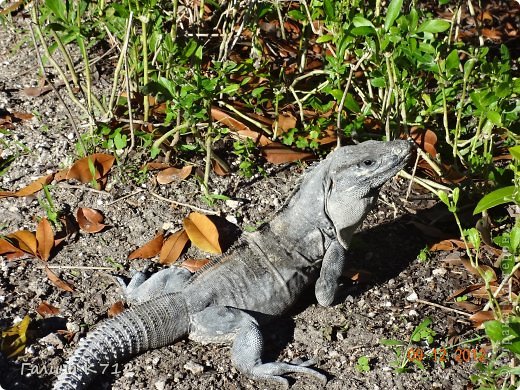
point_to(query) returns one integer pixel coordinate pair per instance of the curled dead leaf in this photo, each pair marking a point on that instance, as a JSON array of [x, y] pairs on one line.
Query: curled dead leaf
[[57, 281], [173, 247], [277, 153], [90, 220], [10, 251], [202, 232], [100, 163], [45, 309], [257, 137], [227, 120], [30, 189], [286, 121], [44, 239], [168, 175], [193, 265], [25, 240], [150, 249]]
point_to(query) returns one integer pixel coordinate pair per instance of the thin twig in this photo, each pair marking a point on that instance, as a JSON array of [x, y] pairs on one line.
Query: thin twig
[[125, 196], [83, 187], [211, 212], [443, 307], [75, 267]]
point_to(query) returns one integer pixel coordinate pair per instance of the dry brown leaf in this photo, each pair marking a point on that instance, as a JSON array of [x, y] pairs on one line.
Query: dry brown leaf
[[150, 249], [193, 265], [90, 220], [218, 169], [484, 268], [286, 121], [45, 309], [463, 291], [153, 166], [25, 240], [482, 293], [468, 306], [173, 247], [30, 189], [480, 317], [491, 33], [44, 239], [116, 309], [57, 281], [258, 138], [448, 245], [277, 153], [202, 232], [36, 91], [23, 116], [10, 251], [425, 138], [227, 120], [80, 170], [168, 175]]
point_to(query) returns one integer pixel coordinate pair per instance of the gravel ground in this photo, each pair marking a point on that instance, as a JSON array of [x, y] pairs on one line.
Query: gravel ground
[[379, 305]]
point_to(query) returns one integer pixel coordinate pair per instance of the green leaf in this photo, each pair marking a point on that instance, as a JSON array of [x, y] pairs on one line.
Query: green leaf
[[360, 21], [514, 239], [434, 26], [58, 8], [495, 198], [362, 31], [296, 14], [452, 61], [392, 343], [325, 38], [443, 196], [190, 48], [328, 7], [494, 117], [231, 89], [351, 104], [378, 82], [394, 8], [494, 330], [473, 237], [515, 152]]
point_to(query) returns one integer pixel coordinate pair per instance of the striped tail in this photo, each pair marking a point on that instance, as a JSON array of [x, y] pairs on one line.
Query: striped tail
[[152, 324]]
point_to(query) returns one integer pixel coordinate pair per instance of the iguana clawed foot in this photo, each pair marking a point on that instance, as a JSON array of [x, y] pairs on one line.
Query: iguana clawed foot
[[221, 323]]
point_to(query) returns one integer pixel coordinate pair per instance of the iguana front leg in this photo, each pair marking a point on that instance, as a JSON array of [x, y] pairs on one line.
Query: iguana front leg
[[331, 270], [223, 323]]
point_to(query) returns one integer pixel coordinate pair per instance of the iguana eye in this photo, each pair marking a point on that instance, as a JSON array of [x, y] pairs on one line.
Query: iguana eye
[[368, 163]]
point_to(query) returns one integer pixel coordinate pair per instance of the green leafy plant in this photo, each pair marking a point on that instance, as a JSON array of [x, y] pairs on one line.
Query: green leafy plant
[[363, 364]]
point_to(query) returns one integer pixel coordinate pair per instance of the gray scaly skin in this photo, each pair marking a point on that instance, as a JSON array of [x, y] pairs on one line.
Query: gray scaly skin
[[262, 276]]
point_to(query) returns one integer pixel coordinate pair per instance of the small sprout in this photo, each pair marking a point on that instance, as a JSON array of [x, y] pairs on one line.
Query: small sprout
[[363, 364]]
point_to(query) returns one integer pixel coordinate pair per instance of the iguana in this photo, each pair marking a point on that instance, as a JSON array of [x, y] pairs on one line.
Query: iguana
[[302, 247]]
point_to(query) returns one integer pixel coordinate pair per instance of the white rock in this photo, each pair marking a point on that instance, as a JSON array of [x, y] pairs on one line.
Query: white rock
[[439, 271], [412, 297]]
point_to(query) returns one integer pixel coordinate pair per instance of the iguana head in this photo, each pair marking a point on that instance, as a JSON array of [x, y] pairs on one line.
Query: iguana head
[[355, 175]]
